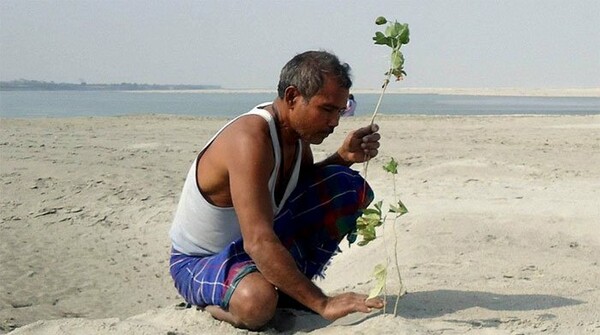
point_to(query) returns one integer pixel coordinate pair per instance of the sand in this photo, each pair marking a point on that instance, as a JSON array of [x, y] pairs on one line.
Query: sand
[[502, 237]]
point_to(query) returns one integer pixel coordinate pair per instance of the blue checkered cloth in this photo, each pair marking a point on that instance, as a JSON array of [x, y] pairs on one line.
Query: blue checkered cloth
[[321, 210]]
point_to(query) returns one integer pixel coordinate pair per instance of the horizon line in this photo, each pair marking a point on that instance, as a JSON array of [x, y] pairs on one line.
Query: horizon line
[[485, 91]]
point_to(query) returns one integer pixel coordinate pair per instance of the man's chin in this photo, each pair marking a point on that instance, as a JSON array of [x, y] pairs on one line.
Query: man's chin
[[315, 141], [318, 140]]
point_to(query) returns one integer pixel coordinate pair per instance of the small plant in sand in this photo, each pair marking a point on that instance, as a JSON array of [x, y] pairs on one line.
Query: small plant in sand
[[366, 225], [395, 35]]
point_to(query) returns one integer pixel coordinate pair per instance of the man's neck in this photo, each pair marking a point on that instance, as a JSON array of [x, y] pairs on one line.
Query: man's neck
[[280, 112]]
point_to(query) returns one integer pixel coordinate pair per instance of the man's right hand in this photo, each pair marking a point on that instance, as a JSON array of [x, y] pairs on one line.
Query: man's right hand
[[341, 305]]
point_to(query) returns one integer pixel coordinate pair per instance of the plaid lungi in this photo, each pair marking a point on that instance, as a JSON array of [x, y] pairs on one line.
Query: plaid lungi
[[321, 210]]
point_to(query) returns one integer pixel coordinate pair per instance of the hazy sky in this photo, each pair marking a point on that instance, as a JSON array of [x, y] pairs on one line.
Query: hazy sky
[[244, 44]]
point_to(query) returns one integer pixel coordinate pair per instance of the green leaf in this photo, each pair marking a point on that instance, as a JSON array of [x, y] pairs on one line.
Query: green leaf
[[392, 30], [380, 20], [366, 223], [368, 235], [397, 59], [380, 38], [398, 73], [368, 220], [378, 205], [399, 29], [391, 166], [400, 209], [380, 274], [404, 34], [370, 211], [396, 34]]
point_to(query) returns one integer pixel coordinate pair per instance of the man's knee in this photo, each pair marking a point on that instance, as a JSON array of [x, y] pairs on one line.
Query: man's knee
[[254, 301]]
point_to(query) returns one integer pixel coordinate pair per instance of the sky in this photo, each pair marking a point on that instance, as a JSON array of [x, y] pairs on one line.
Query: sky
[[243, 44]]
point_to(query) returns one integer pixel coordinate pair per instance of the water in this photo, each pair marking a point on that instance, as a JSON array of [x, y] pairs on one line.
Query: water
[[18, 104]]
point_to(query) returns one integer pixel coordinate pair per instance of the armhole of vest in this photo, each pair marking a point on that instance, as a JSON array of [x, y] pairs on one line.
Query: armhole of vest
[[274, 139], [276, 152], [195, 168], [273, 132], [208, 144], [293, 182]]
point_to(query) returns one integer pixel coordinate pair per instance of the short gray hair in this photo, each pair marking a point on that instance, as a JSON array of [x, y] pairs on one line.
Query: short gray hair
[[307, 72]]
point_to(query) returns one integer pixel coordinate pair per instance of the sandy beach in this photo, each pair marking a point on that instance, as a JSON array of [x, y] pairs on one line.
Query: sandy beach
[[502, 234]]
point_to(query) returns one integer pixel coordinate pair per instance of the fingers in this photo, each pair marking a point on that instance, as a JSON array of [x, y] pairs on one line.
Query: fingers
[[361, 144], [369, 139], [363, 305], [349, 302], [366, 306], [374, 303], [370, 145], [364, 131]]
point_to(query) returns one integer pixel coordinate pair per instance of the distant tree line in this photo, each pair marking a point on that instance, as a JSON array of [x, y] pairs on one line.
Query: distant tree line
[[36, 85]]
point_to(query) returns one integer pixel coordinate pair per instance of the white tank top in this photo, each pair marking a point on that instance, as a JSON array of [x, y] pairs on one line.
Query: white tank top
[[201, 228]]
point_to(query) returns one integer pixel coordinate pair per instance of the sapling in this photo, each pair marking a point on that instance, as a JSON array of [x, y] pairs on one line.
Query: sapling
[[395, 35]]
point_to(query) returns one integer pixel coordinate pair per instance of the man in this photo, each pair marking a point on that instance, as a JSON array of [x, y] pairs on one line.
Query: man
[[257, 218]]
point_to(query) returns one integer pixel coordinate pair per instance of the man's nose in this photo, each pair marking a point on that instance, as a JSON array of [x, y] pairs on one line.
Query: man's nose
[[335, 120]]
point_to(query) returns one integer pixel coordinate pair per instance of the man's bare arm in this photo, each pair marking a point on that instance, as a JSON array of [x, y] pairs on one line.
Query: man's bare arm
[[250, 165]]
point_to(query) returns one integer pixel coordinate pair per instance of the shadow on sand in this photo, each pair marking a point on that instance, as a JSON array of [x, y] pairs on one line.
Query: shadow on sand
[[429, 304]]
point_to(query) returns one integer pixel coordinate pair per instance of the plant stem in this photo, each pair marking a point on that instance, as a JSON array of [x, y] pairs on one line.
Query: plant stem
[[387, 265], [383, 88], [400, 284]]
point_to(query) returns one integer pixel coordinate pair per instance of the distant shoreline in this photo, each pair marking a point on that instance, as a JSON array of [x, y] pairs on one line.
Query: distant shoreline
[[37, 85], [525, 92], [43, 86]]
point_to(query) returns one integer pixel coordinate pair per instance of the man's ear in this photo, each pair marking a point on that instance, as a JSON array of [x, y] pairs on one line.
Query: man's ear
[[292, 95]]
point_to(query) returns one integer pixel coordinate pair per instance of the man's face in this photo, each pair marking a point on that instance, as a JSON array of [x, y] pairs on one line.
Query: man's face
[[316, 119]]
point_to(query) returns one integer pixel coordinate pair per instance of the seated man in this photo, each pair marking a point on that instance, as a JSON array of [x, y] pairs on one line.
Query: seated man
[[258, 218]]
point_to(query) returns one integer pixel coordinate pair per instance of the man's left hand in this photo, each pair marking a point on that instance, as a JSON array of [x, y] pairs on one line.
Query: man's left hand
[[360, 145]]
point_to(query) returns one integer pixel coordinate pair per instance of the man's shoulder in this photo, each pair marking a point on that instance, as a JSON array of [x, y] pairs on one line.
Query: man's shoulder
[[246, 130], [251, 124]]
